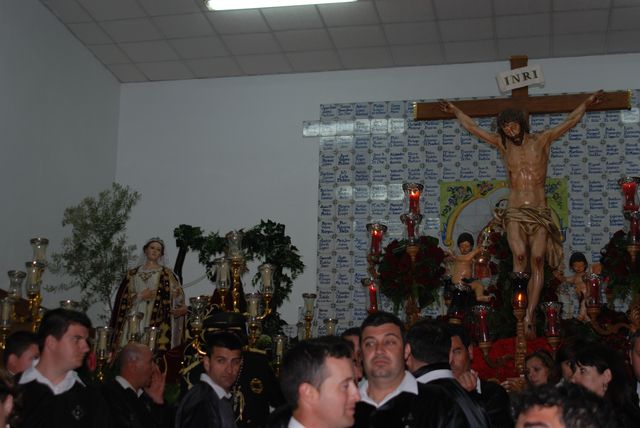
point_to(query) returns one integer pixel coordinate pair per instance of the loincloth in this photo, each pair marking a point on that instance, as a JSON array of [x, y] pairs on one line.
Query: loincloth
[[530, 220]]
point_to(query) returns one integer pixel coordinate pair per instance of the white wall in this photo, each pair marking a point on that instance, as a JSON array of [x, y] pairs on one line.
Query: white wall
[[225, 153], [58, 129]]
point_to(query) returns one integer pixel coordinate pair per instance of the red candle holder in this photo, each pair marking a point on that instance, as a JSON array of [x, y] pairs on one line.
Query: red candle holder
[[376, 233], [412, 192], [412, 223], [593, 290], [481, 313], [519, 281], [552, 318], [372, 294], [629, 188]]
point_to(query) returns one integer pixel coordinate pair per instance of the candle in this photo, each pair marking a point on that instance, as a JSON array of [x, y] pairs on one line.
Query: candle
[[376, 239], [551, 312], [519, 299], [102, 339], [253, 300], [373, 297], [39, 246], [593, 290], [266, 272], [330, 323], [153, 337], [5, 308], [412, 192], [309, 300], [629, 188], [483, 325], [279, 346], [222, 271]]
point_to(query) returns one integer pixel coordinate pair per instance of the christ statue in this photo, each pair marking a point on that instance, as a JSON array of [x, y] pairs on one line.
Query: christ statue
[[531, 232]]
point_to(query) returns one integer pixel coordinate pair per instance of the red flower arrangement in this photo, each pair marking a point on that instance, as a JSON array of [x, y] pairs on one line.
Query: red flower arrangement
[[400, 279]]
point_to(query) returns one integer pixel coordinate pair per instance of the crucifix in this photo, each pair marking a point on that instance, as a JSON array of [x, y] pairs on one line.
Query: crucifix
[[527, 220], [520, 100]]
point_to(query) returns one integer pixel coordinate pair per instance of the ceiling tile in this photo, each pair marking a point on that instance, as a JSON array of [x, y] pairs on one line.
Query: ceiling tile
[[158, 50], [177, 26], [579, 44], [67, 10], [292, 18], [623, 41], [167, 70], [215, 67], [127, 73], [425, 54], [520, 7], [405, 10], [458, 9], [238, 21], [264, 64], [460, 52], [314, 61], [523, 25], [533, 47], [627, 18], [131, 30], [358, 13], [102, 10], [412, 32], [352, 37], [169, 7], [581, 4], [199, 47], [247, 44], [109, 54], [89, 33], [376, 57], [304, 40], [466, 29], [580, 21]]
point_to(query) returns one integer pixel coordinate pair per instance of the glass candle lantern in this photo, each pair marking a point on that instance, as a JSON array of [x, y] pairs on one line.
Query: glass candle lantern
[[133, 322], [412, 192], [593, 290], [372, 291], [412, 224], [39, 246], [330, 325], [376, 233], [234, 244], [309, 302], [481, 314], [102, 341], [552, 312], [279, 344], [222, 273], [151, 337], [629, 188], [266, 274], [34, 277], [6, 312], [519, 281], [253, 303], [16, 277]]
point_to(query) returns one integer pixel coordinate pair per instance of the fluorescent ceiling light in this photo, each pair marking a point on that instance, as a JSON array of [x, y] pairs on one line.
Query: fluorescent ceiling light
[[256, 4]]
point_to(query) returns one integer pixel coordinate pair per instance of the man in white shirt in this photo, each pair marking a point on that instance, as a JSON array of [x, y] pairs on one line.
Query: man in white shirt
[[208, 403], [390, 395], [54, 395], [319, 384]]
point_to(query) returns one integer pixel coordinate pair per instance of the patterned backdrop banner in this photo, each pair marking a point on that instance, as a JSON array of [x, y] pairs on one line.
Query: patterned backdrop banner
[[368, 149]]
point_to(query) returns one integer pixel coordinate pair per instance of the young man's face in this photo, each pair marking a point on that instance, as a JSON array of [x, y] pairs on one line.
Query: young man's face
[[540, 417], [72, 347], [223, 366], [459, 356], [335, 403], [382, 352], [19, 364]]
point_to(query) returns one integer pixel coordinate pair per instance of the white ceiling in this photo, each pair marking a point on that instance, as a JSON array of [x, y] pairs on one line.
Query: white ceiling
[[151, 40]]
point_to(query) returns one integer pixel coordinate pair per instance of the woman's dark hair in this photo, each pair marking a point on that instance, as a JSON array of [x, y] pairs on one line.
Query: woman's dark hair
[[620, 391]]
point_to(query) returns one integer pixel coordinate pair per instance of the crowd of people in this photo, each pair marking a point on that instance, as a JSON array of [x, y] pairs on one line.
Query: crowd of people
[[377, 375]]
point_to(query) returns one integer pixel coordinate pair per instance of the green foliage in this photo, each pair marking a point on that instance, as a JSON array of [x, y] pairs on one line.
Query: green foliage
[[266, 243], [95, 257]]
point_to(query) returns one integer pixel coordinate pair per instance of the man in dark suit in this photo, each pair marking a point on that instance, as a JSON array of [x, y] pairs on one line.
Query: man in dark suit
[[208, 403], [136, 396], [491, 396], [427, 356]]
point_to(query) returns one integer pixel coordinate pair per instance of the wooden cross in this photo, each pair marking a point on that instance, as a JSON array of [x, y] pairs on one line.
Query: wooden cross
[[520, 100]]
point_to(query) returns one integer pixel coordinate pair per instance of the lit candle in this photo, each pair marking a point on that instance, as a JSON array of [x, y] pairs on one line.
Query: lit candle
[[629, 188], [373, 297], [253, 300], [330, 323], [266, 272], [519, 299], [414, 201], [279, 339], [376, 239], [223, 272]]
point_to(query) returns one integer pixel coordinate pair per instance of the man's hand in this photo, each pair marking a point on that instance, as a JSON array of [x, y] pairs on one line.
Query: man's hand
[[468, 380], [155, 390], [446, 106], [147, 294], [595, 98]]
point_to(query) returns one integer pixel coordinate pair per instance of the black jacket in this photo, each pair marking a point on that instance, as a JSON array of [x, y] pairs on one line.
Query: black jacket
[[201, 408], [130, 411]]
